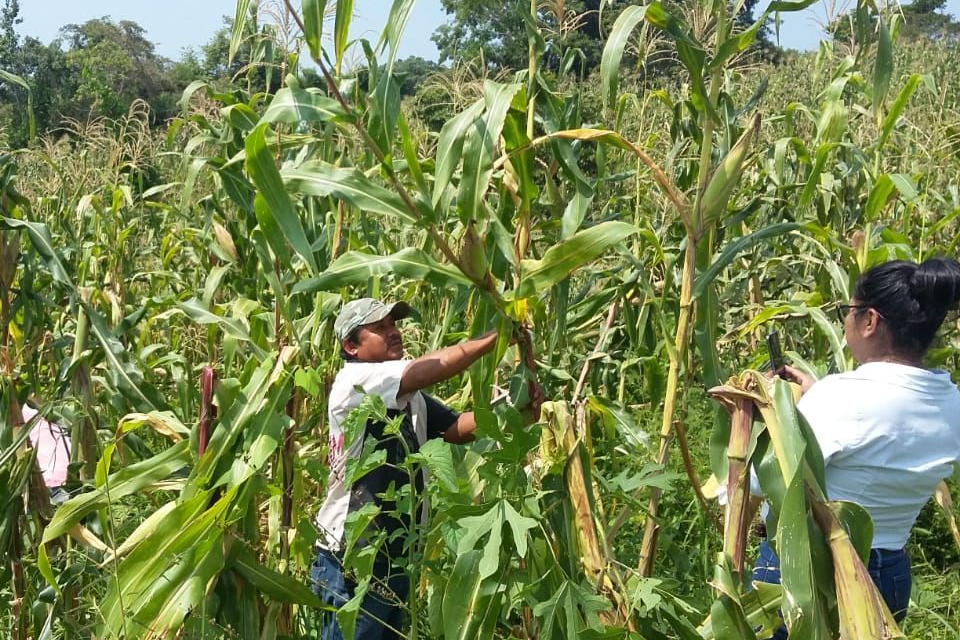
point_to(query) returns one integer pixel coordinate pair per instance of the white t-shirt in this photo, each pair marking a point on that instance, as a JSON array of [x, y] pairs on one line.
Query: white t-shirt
[[889, 434], [427, 418]]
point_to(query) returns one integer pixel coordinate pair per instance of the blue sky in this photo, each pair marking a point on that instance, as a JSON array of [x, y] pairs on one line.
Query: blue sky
[[174, 25]]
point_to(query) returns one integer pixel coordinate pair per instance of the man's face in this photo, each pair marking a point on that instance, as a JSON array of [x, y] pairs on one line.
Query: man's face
[[377, 342]]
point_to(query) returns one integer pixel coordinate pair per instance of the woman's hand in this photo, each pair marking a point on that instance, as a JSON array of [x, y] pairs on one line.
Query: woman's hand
[[792, 374]]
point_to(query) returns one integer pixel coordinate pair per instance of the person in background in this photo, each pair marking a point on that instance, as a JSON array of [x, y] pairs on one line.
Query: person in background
[[889, 430], [372, 347], [53, 452]]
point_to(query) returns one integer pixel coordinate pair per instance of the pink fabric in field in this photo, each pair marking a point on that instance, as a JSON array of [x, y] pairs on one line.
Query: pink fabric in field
[[53, 448]]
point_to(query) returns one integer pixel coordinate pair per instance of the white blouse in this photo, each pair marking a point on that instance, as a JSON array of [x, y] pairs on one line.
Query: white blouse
[[889, 434]]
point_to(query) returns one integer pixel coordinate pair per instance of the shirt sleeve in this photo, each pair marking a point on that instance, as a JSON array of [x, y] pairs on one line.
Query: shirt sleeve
[[825, 413], [440, 417], [382, 379]]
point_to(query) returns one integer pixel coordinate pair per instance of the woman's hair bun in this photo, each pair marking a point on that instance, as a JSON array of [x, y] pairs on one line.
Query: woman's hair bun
[[936, 286]]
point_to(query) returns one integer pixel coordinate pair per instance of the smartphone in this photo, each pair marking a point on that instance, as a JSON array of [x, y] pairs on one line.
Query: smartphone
[[773, 348]]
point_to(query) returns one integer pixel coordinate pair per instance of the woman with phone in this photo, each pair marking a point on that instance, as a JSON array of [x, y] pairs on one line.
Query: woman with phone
[[890, 429]]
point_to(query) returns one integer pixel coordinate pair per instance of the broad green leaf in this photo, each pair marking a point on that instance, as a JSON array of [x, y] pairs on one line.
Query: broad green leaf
[[565, 257], [435, 455], [279, 211], [626, 22], [128, 379], [787, 6], [355, 267], [294, 104], [322, 179], [898, 106], [279, 587], [240, 116], [878, 198], [19, 81], [396, 25], [249, 414], [40, 237], [167, 573], [196, 311]]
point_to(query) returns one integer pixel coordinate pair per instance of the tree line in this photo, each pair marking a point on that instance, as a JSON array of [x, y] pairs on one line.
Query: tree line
[[100, 68]]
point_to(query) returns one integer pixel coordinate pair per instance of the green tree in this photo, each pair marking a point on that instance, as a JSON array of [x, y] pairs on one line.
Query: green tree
[[925, 19], [115, 65], [497, 31]]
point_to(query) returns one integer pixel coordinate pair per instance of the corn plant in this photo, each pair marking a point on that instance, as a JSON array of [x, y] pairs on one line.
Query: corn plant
[[827, 592]]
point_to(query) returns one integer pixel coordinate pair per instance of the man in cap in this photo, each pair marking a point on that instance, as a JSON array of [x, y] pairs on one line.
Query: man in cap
[[372, 347]]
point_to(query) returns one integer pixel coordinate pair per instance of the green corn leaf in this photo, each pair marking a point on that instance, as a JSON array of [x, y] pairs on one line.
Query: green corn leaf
[[899, 104], [322, 179], [396, 25], [478, 153], [127, 378], [41, 240], [355, 267], [626, 22], [468, 600], [19, 81], [168, 571], [564, 258], [882, 67], [278, 212], [239, 27], [279, 587], [879, 196], [787, 6], [736, 247], [312, 11], [196, 311], [126, 481], [250, 415], [341, 31], [450, 146], [294, 104]]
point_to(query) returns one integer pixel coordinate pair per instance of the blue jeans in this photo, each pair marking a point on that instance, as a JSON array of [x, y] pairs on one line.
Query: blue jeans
[[381, 612], [890, 571]]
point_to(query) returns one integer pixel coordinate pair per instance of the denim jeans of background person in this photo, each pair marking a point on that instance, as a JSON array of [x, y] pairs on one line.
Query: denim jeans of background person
[[381, 612]]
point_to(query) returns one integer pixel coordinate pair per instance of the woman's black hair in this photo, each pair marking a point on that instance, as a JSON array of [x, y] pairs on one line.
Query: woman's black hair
[[912, 298]]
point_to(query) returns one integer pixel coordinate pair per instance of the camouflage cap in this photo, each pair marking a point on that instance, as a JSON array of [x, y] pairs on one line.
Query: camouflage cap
[[357, 313]]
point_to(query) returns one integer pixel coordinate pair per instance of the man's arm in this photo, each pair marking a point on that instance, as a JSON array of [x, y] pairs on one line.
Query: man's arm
[[445, 363], [461, 431]]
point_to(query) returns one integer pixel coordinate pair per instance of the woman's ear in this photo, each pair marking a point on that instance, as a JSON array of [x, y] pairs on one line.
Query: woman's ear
[[870, 323]]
